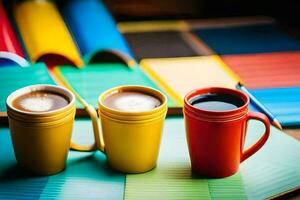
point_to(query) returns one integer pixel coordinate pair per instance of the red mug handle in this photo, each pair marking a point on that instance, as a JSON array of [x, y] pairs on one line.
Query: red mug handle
[[254, 148]]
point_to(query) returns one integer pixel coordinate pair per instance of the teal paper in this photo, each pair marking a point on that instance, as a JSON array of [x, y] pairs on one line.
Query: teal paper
[[14, 182], [15, 77], [93, 79], [275, 168], [87, 175], [272, 170]]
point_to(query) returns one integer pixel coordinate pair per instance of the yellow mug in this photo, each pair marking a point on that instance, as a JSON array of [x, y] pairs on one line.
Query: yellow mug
[[41, 140], [130, 140]]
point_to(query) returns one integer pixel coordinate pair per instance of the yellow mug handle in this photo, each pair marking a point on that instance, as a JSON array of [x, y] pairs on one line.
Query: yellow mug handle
[[99, 142], [98, 137]]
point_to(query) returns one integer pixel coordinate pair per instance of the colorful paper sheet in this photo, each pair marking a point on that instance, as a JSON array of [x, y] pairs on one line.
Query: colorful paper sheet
[[45, 34], [95, 31], [273, 170], [94, 79], [266, 70], [273, 78], [13, 78], [178, 76], [253, 38], [164, 44], [284, 103], [87, 175], [11, 51], [173, 179]]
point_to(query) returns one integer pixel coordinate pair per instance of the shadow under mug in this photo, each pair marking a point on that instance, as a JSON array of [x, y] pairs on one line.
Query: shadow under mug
[[216, 138], [130, 140]]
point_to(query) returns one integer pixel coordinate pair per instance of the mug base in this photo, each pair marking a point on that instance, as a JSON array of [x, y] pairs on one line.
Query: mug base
[[131, 171], [213, 174], [39, 172]]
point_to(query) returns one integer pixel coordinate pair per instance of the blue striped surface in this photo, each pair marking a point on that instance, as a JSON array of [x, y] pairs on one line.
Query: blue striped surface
[[247, 39], [14, 182], [87, 175], [284, 103]]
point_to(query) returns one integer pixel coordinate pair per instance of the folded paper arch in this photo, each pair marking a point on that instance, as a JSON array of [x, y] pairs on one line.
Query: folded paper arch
[[95, 32], [45, 34]]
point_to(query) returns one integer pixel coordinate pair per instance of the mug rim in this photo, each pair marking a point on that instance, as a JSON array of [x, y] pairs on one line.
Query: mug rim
[[40, 87], [136, 88], [200, 91]]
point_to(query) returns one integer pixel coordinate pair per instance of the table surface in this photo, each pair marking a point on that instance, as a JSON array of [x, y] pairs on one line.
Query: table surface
[[295, 133]]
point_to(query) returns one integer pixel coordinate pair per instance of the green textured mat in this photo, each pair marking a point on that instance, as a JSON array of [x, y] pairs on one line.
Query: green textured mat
[[173, 179], [274, 169], [15, 77], [227, 188], [93, 79]]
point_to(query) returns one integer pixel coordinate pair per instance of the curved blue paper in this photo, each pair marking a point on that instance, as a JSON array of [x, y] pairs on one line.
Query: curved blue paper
[[284, 103], [94, 29]]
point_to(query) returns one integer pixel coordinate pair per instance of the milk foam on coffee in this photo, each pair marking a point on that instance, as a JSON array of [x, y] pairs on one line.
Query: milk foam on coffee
[[40, 101], [131, 101]]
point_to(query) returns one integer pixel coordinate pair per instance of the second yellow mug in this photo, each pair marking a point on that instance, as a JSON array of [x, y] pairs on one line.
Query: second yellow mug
[[131, 140]]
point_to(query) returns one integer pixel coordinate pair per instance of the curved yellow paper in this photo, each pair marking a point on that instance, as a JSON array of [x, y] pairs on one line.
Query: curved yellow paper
[[45, 34]]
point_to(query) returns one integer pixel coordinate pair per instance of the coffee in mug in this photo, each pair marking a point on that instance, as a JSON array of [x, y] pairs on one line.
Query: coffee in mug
[[216, 102], [40, 101], [131, 101]]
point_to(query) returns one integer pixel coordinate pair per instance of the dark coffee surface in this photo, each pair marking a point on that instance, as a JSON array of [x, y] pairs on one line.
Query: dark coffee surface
[[217, 102], [131, 101], [40, 101]]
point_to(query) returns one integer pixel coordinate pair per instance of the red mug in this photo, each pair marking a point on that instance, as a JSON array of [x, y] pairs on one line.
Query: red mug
[[216, 138]]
